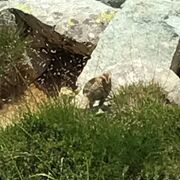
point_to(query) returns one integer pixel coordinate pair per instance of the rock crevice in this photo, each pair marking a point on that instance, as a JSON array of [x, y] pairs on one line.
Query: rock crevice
[[55, 60]]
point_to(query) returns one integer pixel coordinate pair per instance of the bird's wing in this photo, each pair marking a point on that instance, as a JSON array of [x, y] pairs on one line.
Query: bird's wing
[[88, 85]]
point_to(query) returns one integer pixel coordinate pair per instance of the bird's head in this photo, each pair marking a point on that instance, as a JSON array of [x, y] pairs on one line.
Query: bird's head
[[107, 77]]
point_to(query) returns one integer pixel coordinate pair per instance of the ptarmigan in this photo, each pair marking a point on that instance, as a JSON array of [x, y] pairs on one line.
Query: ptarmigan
[[98, 88]]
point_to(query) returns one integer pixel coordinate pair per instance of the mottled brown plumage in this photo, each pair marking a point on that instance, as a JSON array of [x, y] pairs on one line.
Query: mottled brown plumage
[[98, 88]]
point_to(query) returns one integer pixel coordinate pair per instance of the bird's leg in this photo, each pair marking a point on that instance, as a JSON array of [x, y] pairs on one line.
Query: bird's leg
[[91, 103], [101, 102]]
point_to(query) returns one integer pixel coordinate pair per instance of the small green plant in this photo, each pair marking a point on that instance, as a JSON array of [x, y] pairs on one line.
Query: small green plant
[[138, 139], [15, 73], [12, 48]]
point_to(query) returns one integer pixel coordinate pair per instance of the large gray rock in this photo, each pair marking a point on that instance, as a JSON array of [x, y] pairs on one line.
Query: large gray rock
[[82, 20], [65, 33], [138, 45], [52, 60]]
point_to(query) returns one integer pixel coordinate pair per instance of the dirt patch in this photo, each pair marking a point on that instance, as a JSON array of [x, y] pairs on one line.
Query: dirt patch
[[30, 100]]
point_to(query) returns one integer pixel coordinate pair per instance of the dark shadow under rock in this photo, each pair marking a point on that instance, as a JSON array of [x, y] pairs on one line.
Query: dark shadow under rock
[[113, 3], [175, 64], [64, 69]]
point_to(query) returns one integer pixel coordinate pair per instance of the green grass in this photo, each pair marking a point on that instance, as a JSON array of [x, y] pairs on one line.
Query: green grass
[[12, 48], [138, 139], [15, 73]]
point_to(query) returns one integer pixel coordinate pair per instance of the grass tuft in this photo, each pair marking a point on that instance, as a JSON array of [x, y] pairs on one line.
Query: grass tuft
[[138, 139]]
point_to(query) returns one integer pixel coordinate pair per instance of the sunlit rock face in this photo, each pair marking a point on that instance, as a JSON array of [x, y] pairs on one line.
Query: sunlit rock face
[[82, 20], [4, 5], [139, 45]]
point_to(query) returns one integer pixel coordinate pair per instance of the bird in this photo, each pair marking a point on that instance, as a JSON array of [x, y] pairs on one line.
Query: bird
[[98, 88]]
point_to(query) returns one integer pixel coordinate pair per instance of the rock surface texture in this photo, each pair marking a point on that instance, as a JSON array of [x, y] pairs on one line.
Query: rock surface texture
[[3, 5], [138, 45], [82, 20]]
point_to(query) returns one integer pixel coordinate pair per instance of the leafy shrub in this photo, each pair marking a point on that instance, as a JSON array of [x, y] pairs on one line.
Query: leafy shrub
[[140, 139]]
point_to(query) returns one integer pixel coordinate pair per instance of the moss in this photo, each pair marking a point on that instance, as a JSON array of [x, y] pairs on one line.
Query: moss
[[105, 17]]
